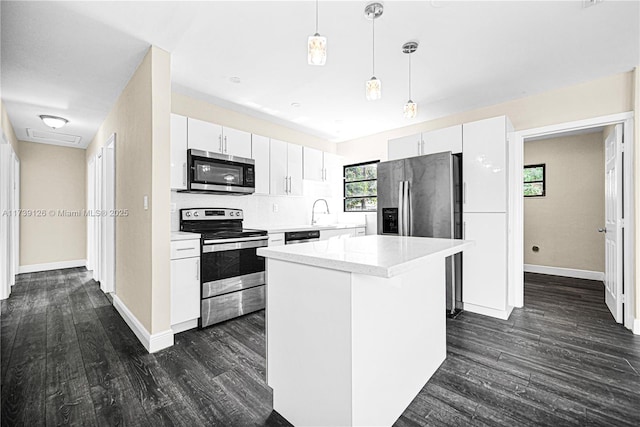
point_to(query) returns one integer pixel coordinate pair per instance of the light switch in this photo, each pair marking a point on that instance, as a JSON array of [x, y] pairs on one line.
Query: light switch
[[275, 207], [145, 202]]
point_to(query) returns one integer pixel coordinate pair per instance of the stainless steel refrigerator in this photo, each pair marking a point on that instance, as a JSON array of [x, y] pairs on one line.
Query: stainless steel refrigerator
[[422, 196]]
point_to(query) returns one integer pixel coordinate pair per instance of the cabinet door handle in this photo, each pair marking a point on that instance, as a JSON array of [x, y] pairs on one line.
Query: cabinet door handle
[[419, 147], [226, 146], [286, 185], [464, 229], [464, 193], [198, 270], [220, 143], [289, 185], [184, 174]]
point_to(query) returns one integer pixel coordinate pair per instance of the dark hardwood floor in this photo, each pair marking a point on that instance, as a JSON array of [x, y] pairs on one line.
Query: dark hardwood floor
[[68, 358]]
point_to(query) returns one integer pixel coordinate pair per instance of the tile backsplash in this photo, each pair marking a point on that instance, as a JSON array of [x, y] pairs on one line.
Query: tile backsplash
[[259, 211]]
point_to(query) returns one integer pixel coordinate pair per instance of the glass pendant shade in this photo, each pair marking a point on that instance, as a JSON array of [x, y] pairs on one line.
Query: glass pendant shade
[[374, 89], [410, 109], [317, 49]]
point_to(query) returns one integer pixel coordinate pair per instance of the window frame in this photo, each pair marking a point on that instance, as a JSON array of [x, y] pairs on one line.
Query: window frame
[[543, 180], [344, 186]]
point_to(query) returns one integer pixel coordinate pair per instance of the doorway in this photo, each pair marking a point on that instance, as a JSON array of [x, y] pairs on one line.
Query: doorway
[[625, 193]]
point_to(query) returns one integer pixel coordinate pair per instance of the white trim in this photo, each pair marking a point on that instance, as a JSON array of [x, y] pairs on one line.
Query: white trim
[[184, 326], [152, 343], [32, 268], [636, 326], [486, 311], [565, 272], [516, 237]]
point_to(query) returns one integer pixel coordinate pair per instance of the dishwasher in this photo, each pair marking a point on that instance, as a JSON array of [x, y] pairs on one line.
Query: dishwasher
[[293, 237]]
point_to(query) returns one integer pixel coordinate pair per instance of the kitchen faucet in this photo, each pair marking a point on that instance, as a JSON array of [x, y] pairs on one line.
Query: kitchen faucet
[[313, 211]]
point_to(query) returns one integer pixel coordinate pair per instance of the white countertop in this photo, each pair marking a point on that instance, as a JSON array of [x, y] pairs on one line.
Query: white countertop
[[383, 256], [303, 227], [183, 235]]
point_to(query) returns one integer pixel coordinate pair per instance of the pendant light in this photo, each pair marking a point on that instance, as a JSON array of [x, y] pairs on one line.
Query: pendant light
[[374, 86], [410, 108], [317, 46]]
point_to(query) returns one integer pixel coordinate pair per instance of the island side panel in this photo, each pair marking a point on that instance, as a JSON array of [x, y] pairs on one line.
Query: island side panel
[[399, 339], [309, 343]]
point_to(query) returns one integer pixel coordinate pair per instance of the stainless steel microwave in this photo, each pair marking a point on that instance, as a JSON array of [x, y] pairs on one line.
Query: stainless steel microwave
[[219, 173]]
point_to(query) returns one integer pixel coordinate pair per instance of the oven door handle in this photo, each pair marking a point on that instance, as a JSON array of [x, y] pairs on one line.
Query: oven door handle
[[240, 239], [219, 247]]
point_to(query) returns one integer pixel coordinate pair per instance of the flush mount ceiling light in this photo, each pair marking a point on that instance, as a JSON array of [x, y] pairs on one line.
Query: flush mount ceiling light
[[410, 108], [374, 86], [317, 46], [53, 122]]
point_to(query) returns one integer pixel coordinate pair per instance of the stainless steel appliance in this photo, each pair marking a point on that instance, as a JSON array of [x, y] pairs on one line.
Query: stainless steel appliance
[[219, 173], [422, 196], [232, 275], [293, 237]]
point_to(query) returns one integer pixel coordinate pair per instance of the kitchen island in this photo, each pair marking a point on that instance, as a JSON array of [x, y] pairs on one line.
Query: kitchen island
[[355, 327]]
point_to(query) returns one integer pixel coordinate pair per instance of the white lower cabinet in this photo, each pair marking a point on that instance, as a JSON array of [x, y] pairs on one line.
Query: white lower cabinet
[[484, 265], [185, 285], [342, 233], [361, 231], [276, 239]]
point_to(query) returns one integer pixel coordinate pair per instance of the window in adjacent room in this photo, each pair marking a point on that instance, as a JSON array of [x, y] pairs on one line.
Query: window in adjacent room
[[534, 176], [361, 187]]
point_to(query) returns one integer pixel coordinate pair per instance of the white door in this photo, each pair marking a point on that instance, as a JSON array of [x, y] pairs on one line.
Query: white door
[[185, 289], [401, 148], [613, 223], [313, 164], [91, 206], [16, 218], [109, 217], [97, 221]]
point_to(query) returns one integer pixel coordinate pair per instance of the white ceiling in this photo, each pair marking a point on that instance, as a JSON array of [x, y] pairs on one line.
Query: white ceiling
[[74, 58]]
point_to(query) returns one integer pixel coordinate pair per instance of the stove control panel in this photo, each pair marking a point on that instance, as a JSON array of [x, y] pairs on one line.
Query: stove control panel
[[210, 214]]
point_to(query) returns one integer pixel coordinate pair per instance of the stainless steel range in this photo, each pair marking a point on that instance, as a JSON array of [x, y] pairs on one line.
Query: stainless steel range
[[231, 273]]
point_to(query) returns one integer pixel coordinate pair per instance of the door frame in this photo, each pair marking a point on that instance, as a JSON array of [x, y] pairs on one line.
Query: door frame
[[516, 204], [109, 217]]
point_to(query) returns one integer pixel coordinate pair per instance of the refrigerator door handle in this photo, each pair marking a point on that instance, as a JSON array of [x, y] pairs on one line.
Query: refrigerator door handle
[[401, 208], [407, 209]]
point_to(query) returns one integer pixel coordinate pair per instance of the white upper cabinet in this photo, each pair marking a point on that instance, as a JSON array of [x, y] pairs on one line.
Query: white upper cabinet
[[207, 136], [286, 168], [484, 165], [407, 146], [440, 140], [435, 141], [313, 164], [260, 153], [178, 152], [294, 166], [333, 168], [204, 136], [236, 142], [279, 176]]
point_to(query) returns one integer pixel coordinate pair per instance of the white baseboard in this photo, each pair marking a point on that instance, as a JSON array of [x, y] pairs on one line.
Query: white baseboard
[[152, 343], [32, 268], [636, 326], [565, 272], [486, 311], [184, 326]]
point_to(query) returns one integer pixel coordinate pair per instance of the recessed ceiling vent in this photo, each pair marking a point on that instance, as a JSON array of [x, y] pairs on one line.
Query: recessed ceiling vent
[[52, 137]]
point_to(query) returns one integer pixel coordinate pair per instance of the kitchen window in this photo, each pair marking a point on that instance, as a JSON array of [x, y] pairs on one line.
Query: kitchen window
[[361, 187], [534, 180]]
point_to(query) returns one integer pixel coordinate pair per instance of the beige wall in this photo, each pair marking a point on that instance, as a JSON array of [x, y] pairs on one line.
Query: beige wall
[[52, 178], [140, 120], [7, 128], [564, 223], [198, 109], [601, 97]]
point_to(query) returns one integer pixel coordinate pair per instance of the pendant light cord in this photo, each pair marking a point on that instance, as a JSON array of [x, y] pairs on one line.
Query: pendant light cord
[[317, 16], [373, 56], [409, 77]]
